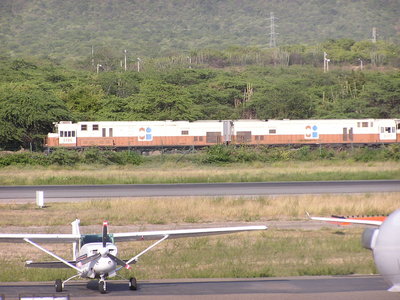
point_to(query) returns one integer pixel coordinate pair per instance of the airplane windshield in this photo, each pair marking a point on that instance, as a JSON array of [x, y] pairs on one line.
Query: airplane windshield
[[96, 238]]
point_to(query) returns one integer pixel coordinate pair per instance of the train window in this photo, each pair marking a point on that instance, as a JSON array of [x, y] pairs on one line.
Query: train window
[[95, 127], [69, 133], [358, 124], [83, 127], [261, 137], [372, 124], [364, 124], [195, 138], [185, 132], [272, 131], [73, 133], [398, 125], [61, 133], [200, 138]]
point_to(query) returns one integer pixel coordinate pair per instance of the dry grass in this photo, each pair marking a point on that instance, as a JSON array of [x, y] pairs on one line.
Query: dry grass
[[258, 254], [275, 252], [186, 172], [139, 211]]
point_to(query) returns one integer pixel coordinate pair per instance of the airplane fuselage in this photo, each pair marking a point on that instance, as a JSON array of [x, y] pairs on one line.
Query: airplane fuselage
[[101, 266]]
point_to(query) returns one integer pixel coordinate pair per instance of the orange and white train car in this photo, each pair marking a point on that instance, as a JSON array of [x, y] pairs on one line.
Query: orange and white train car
[[148, 134]]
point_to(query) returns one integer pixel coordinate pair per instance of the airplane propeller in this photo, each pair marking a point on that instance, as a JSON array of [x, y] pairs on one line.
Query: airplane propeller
[[105, 231], [104, 252]]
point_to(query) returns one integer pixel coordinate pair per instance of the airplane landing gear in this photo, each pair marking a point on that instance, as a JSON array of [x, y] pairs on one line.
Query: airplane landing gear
[[132, 284], [102, 285], [58, 285]]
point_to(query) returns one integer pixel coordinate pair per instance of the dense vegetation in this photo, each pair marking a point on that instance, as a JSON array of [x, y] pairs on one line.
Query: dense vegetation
[[68, 29], [36, 92], [214, 155]]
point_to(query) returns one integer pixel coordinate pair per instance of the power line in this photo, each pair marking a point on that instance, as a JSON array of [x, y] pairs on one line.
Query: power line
[[273, 33], [374, 34]]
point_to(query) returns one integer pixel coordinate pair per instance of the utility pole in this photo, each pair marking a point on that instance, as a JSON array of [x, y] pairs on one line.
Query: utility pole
[[272, 35], [374, 35], [92, 56], [326, 62], [98, 67], [125, 58]]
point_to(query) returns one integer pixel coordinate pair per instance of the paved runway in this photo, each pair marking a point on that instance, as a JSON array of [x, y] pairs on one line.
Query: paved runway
[[76, 192], [318, 287]]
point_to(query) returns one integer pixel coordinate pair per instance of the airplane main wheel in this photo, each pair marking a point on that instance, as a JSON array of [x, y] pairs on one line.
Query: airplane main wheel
[[132, 284], [102, 287], [58, 285]]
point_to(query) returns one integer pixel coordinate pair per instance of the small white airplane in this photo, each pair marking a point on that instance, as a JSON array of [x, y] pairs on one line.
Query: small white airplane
[[95, 255], [384, 243]]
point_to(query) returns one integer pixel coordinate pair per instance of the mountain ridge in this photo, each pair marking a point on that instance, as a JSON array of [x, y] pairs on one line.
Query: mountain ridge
[[157, 28]]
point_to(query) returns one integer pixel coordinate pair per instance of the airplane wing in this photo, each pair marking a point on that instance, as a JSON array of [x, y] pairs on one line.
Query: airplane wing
[[346, 220], [39, 238], [48, 264], [173, 234]]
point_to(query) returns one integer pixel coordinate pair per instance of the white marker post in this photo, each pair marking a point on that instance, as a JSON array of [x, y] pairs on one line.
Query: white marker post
[[39, 199]]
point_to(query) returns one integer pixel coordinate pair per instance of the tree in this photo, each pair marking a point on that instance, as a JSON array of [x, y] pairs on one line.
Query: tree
[[283, 101], [84, 100], [27, 113], [162, 101]]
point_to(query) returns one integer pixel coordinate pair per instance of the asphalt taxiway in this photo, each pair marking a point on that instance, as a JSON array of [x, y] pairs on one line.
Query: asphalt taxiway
[[56, 193], [315, 287]]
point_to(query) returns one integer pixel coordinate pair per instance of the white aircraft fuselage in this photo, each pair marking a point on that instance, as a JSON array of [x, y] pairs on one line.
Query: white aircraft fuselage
[[101, 266]]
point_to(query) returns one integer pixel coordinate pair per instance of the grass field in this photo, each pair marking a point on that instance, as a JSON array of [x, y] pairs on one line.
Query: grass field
[[186, 172], [330, 250], [180, 210]]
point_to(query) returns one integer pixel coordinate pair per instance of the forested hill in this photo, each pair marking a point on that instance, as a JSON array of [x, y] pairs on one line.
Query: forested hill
[[68, 28]]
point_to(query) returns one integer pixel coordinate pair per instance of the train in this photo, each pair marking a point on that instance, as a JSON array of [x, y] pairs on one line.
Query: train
[[178, 134]]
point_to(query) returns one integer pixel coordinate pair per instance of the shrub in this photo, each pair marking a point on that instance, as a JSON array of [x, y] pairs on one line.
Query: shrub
[[130, 157], [64, 157], [304, 153], [367, 154], [245, 154], [392, 152], [218, 154], [276, 154], [96, 156], [24, 158]]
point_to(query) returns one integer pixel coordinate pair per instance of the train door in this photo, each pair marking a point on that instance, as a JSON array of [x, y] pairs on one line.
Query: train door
[[397, 130], [348, 135], [104, 132], [213, 137]]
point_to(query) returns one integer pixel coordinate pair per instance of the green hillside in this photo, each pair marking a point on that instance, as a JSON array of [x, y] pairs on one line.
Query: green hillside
[[69, 28]]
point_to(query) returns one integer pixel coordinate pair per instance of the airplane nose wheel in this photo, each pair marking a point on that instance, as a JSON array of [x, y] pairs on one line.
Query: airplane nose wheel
[[132, 284], [58, 285], [102, 287]]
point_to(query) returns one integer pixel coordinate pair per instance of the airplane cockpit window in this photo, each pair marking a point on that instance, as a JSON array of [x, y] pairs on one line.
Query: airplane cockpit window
[[95, 238]]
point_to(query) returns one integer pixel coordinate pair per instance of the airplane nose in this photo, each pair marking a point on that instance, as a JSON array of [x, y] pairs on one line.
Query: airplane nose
[[105, 265], [103, 252]]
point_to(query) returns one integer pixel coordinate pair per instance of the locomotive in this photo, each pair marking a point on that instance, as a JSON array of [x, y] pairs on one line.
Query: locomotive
[[175, 134]]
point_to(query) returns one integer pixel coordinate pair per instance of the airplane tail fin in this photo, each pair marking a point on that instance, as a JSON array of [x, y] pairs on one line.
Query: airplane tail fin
[[75, 245]]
